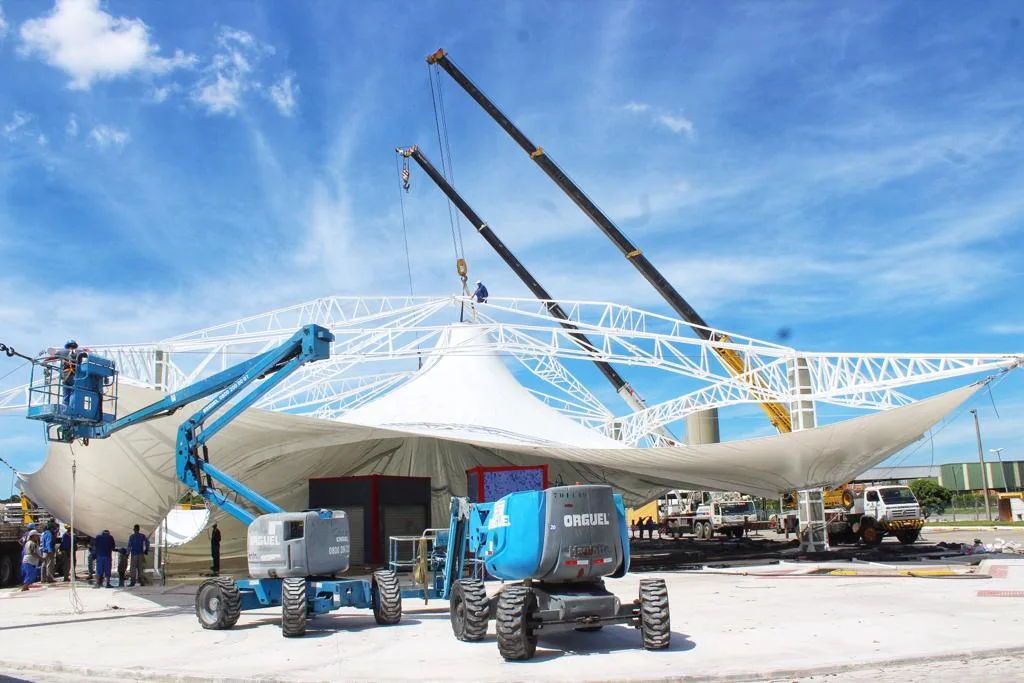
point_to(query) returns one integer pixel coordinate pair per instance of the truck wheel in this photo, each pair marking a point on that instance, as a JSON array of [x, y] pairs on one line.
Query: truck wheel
[[909, 537], [294, 607], [698, 530], [218, 603], [469, 610], [516, 639], [6, 570], [870, 534], [387, 598], [654, 616], [709, 531]]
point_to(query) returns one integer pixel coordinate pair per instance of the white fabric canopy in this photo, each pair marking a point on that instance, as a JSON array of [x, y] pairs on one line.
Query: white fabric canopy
[[462, 410]]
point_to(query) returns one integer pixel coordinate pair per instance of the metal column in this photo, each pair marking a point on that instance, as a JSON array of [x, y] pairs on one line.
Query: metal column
[[811, 502]]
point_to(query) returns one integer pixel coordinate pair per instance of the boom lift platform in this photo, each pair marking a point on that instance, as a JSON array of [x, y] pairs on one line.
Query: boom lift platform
[[294, 557], [554, 547]]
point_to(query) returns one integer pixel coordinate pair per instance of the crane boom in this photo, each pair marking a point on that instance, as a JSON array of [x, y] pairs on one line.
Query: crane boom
[[622, 387], [731, 359]]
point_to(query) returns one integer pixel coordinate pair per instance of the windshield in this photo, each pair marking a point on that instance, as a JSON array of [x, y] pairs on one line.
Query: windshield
[[738, 509], [898, 496]]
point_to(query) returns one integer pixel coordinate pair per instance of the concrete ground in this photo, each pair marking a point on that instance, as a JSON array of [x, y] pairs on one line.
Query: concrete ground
[[778, 622]]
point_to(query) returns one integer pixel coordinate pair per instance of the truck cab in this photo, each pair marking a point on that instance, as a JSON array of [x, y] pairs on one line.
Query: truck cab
[[729, 517], [872, 512]]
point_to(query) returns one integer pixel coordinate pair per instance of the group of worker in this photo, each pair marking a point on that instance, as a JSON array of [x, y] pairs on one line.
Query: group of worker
[[641, 525], [41, 552]]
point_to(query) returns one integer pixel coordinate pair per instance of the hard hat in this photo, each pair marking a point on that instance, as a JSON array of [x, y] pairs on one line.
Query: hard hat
[[70, 343], [478, 282], [31, 525]]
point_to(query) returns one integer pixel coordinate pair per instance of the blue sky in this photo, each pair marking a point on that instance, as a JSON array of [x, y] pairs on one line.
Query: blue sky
[[850, 171]]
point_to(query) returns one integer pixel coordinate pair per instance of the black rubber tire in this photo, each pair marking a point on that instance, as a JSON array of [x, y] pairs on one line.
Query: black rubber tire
[[294, 608], [870, 534], [909, 537], [469, 610], [709, 531], [387, 598], [590, 629], [698, 530], [218, 603], [516, 639], [655, 622], [737, 533], [6, 570]]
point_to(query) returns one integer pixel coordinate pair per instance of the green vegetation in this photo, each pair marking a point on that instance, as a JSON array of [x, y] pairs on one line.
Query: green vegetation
[[933, 497]]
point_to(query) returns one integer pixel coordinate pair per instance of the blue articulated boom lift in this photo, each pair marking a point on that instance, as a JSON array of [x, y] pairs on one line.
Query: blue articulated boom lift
[[552, 550], [294, 557]]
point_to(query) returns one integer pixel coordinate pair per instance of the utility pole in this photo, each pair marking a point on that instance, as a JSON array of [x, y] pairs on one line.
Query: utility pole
[[981, 459], [1002, 472]]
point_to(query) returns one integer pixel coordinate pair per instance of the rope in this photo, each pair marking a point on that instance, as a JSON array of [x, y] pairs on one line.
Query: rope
[[448, 150], [444, 166], [76, 602], [403, 185]]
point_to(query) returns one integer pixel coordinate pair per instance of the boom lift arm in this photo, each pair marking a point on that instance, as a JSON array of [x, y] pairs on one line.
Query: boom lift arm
[[621, 386], [309, 344], [733, 361]]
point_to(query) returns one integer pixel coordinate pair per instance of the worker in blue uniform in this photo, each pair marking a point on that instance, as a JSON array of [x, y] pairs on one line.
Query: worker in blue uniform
[[68, 367], [105, 545], [47, 551], [481, 293], [138, 548]]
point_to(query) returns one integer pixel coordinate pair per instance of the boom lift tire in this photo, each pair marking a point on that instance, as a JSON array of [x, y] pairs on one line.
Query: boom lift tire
[[469, 610], [387, 598], [909, 537], [294, 607], [655, 623], [516, 638], [218, 603]]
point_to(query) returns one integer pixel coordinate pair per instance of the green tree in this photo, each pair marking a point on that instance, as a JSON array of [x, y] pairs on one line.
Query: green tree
[[933, 497]]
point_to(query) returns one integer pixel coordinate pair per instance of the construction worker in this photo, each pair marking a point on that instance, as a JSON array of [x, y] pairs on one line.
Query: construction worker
[[68, 366], [30, 560], [68, 556], [481, 293], [138, 548], [215, 550], [105, 545], [47, 551]]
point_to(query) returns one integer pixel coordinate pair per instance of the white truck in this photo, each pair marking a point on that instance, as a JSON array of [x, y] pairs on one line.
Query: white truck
[[705, 516], [870, 513]]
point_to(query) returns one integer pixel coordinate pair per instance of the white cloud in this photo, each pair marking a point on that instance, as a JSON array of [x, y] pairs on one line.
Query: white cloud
[[232, 73], [3, 24], [282, 94], [78, 37], [106, 137], [229, 75], [1015, 329], [674, 122], [17, 122], [161, 94], [42, 140], [72, 128]]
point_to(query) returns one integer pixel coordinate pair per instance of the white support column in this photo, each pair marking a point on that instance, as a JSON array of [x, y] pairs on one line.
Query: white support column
[[811, 502]]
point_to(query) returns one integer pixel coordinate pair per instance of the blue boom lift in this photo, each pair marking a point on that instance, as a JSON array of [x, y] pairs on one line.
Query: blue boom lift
[[294, 557], [554, 547]]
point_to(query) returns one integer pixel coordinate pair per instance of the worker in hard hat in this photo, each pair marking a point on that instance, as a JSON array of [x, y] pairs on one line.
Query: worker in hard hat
[[30, 560], [481, 293], [68, 367]]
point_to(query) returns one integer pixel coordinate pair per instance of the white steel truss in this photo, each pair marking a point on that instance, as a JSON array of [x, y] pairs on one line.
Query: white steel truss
[[381, 341]]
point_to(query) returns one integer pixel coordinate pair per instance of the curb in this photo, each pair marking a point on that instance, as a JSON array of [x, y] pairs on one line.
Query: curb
[[135, 674]]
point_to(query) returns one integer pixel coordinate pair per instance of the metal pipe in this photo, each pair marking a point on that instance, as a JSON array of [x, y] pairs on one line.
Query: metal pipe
[[981, 459]]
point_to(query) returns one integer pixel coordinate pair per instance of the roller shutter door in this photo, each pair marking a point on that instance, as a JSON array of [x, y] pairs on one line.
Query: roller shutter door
[[357, 535], [402, 520]]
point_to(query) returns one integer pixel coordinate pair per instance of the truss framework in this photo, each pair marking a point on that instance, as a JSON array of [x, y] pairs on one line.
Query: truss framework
[[381, 341]]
